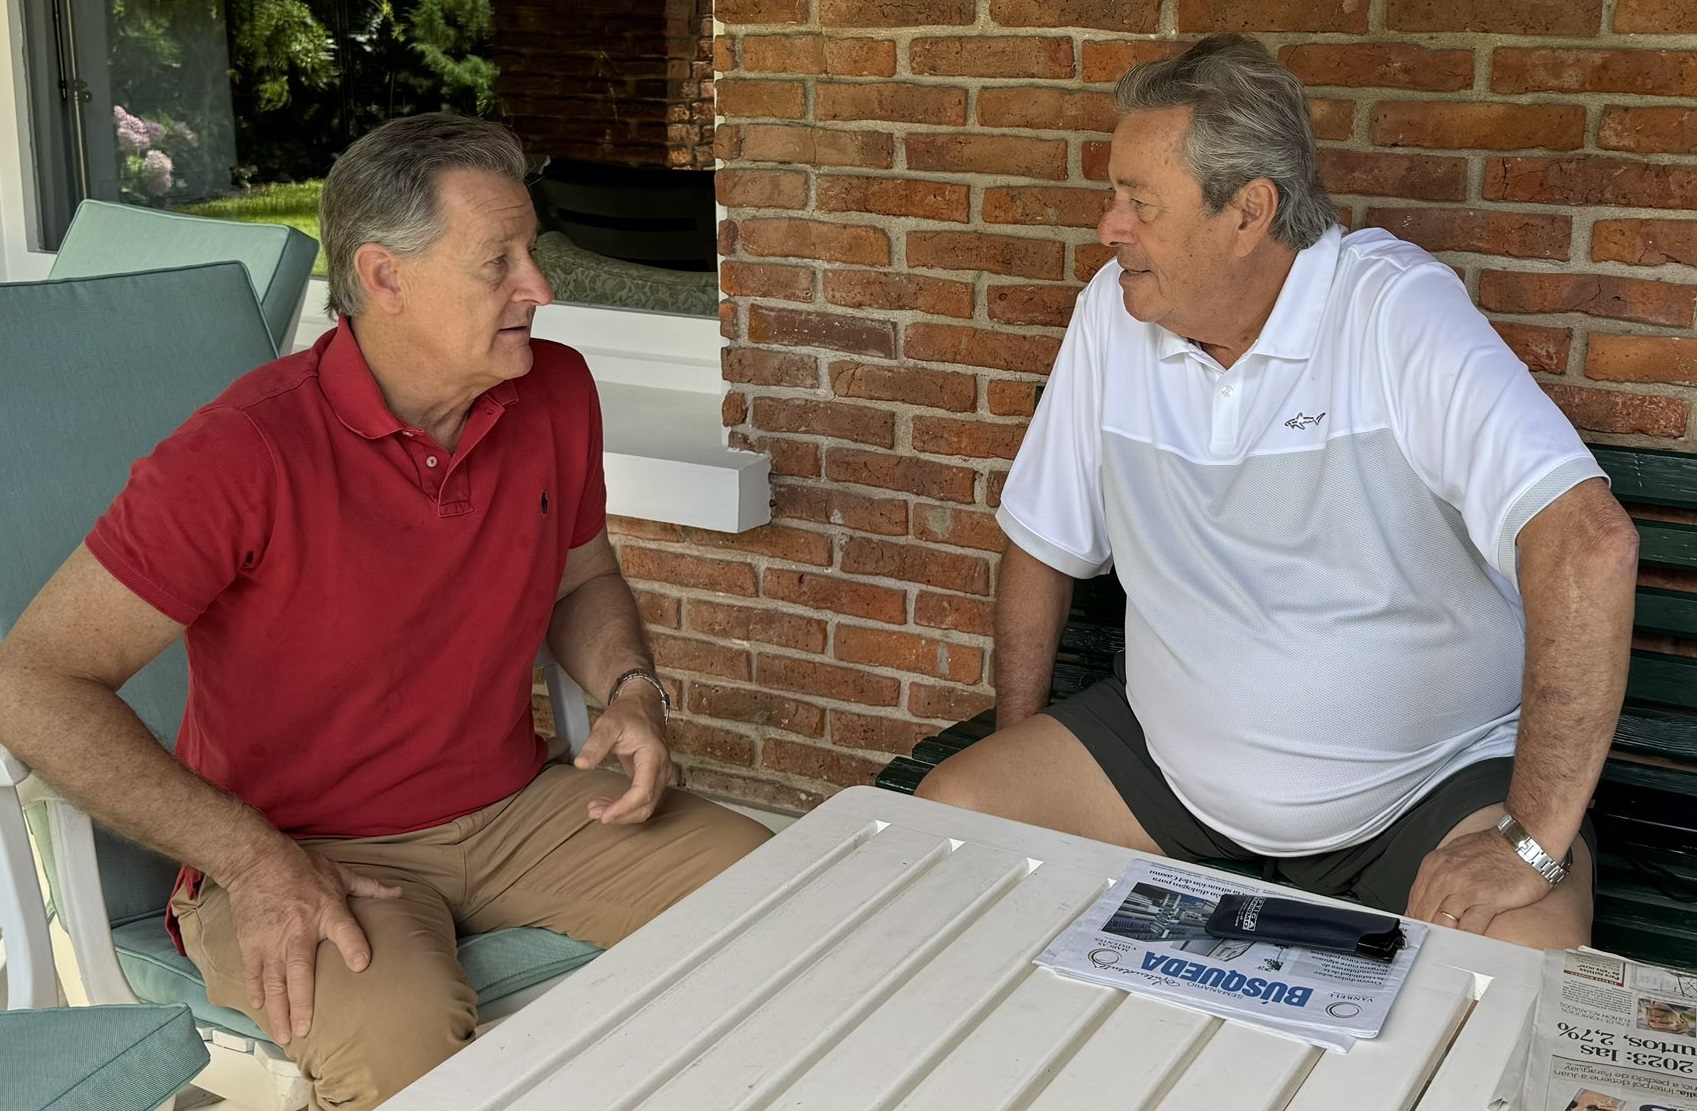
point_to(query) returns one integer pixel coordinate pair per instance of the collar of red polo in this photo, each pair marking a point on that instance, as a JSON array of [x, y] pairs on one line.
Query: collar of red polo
[[355, 396]]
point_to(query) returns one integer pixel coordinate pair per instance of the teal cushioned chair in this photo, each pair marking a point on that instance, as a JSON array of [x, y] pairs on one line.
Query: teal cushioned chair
[[106, 238], [97, 1058], [96, 371]]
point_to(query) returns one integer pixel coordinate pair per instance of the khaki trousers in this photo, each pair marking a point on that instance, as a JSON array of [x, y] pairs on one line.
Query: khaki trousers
[[534, 859]]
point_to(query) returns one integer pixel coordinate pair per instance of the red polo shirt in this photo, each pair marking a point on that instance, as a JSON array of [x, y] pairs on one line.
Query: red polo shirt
[[362, 607]]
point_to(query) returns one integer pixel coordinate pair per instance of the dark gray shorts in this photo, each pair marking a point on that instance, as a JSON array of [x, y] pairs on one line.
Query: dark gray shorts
[[1378, 872]]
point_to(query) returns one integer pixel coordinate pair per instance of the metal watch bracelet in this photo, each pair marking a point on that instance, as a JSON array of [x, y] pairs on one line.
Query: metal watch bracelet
[[652, 680], [1547, 866]]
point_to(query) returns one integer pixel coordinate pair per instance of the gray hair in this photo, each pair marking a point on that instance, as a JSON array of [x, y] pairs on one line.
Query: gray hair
[[1250, 120], [383, 190]]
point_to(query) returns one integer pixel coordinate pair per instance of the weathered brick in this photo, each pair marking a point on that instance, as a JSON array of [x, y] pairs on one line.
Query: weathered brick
[[883, 289], [1132, 17], [724, 53], [1591, 181], [733, 12], [1093, 160], [925, 477], [1049, 305], [1647, 302], [798, 545], [1427, 123], [733, 409], [1002, 155], [727, 237], [847, 684], [746, 623], [1380, 65], [859, 57], [1642, 358], [694, 738], [946, 703], [811, 762], [876, 732], [674, 653], [997, 254], [762, 98], [790, 458], [825, 505], [894, 101], [894, 196], [974, 439], [901, 651], [1649, 130], [1543, 69], [811, 146], [784, 798], [1000, 350], [728, 319], [953, 611], [1505, 17], [859, 423], [1331, 119], [836, 595], [1415, 176], [800, 328], [761, 188], [815, 239], [751, 279], [819, 54], [1043, 205], [621, 528], [680, 569], [934, 389], [992, 56], [1485, 231], [993, 483], [1105, 60], [1345, 16], [963, 528], [661, 611], [1645, 242], [895, 13], [1047, 109], [757, 707], [1655, 17], [1087, 258], [1542, 349], [1011, 399], [757, 367], [916, 563], [1621, 413]]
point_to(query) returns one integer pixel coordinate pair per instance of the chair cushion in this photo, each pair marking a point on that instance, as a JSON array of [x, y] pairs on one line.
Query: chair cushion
[[97, 1058], [497, 964], [585, 277]]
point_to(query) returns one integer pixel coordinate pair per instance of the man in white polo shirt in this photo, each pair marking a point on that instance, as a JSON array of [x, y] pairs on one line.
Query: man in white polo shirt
[[1379, 596]]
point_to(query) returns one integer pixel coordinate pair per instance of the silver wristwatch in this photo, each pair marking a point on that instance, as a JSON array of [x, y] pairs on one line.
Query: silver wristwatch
[[1553, 870]]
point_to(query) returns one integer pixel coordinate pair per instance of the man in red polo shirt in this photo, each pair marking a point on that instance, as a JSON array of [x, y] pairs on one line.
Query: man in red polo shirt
[[362, 546]]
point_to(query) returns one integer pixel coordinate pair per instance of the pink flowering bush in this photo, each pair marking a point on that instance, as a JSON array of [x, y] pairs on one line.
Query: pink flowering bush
[[144, 149]]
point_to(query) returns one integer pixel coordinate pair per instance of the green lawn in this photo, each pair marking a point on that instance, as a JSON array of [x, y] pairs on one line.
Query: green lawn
[[293, 204]]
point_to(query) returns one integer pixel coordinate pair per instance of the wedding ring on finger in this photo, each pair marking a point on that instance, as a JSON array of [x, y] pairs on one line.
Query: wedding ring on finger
[[1450, 916]]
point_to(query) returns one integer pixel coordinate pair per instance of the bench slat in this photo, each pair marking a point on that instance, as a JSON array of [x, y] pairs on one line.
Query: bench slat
[[1663, 678], [1668, 543], [1650, 476], [1666, 611]]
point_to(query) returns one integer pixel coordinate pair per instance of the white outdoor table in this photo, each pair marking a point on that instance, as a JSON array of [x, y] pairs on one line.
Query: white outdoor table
[[877, 955]]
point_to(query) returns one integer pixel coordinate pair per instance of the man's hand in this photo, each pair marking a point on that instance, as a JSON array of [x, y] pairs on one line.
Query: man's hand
[[1471, 880], [283, 907], [633, 729]]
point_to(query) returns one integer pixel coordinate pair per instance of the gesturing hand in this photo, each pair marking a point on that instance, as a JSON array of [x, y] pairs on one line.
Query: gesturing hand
[[633, 729], [1471, 880], [283, 907]]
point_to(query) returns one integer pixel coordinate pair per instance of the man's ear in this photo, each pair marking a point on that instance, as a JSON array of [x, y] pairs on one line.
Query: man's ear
[[379, 275], [1256, 204]]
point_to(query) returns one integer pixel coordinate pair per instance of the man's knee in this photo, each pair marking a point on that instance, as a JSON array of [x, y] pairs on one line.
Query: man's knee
[[955, 783]]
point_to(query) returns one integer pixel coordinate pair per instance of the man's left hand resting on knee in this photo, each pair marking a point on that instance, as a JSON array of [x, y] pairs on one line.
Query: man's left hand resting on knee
[[362, 546]]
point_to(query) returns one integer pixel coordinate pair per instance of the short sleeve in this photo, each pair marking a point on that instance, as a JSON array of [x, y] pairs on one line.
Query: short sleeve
[[1052, 502], [195, 514], [1471, 419], [592, 503]]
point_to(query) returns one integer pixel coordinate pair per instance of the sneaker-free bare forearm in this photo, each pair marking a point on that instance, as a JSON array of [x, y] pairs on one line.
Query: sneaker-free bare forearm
[[60, 667], [596, 630], [1578, 564], [1032, 600]]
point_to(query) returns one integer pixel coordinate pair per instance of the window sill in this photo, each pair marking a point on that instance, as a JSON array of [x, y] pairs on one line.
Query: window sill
[[666, 456]]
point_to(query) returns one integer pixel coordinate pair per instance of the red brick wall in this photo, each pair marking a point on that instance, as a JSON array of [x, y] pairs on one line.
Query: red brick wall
[[912, 189]]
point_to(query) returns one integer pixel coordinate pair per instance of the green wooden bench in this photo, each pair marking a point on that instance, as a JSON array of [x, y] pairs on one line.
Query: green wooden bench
[[1645, 808]]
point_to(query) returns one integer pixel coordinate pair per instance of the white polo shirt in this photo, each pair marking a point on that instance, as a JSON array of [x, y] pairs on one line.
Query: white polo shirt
[[1317, 544]]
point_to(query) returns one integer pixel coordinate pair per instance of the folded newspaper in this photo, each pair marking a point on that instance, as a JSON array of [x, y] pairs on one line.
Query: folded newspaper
[[1147, 936], [1612, 1035]]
